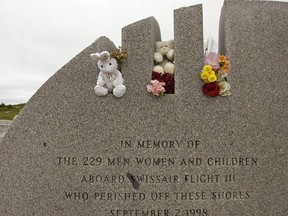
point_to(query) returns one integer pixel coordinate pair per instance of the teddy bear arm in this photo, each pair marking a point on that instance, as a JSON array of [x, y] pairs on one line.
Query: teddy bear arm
[[170, 55], [100, 80], [118, 79], [158, 57]]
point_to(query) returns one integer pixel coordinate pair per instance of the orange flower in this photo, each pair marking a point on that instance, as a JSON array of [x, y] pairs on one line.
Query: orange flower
[[224, 63], [225, 68], [223, 58]]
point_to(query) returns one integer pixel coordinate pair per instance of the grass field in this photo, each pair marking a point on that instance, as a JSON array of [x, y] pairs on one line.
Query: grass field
[[7, 112]]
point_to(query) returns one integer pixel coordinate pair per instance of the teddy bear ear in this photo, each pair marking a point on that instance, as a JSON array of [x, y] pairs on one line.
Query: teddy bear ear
[[104, 55], [95, 56], [158, 43]]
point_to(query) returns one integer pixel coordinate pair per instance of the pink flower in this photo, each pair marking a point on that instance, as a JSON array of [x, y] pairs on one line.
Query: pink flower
[[212, 59], [156, 88]]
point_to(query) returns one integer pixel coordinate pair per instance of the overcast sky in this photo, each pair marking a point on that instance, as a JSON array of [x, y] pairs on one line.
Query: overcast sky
[[39, 36]]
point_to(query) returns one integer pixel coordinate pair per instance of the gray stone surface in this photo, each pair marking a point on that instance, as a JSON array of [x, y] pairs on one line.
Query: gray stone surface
[[257, 43], [65, 119], [189, 50]]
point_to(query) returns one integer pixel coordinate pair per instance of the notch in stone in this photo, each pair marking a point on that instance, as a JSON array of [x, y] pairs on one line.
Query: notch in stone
[[135, 183]]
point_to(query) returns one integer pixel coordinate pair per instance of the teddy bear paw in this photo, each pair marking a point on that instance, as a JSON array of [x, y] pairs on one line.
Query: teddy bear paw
[[119, 90], [169, 68], [100, 91], [158, 69]]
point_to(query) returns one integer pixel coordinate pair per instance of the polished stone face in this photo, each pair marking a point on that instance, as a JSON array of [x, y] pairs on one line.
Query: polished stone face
[[73, 153]]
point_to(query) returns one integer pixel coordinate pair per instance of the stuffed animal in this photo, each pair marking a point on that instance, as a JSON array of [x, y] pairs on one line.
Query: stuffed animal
[[109, 79], [164, 57]]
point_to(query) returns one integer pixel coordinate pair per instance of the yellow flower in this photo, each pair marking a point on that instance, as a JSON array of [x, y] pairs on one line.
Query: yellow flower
[[208, 75], [207, 68], [204, 75], [211, 72], [212, 78]]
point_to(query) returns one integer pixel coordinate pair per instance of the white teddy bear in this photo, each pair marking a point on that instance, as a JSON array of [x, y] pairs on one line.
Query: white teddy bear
[[109, 78], [164, 57]]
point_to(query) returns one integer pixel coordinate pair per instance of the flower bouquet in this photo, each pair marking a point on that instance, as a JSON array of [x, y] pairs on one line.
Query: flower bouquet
[[214, 75], [166, 80]]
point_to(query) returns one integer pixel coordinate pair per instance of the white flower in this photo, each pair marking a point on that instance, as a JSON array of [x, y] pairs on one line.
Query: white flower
[[224, 88]]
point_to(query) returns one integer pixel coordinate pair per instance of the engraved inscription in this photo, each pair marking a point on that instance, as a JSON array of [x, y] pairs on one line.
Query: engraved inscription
[[197, 170]]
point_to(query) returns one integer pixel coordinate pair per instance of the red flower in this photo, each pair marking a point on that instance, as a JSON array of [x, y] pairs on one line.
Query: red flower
[[211, 89], [157, 76], [167, 78]]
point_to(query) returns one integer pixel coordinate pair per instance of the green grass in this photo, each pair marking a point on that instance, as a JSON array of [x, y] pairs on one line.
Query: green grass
[[8, 112]]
